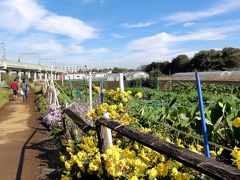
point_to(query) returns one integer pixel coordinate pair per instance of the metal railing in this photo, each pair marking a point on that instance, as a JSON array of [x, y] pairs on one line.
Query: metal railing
[[36, 67]]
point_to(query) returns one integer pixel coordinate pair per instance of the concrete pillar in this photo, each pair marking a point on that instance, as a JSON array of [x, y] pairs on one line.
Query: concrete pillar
[[45, 76], [40, 76], [58, 77], [29, 74], [35, 76], [8, 72], [55, 76], [24, 74], [19, 74]]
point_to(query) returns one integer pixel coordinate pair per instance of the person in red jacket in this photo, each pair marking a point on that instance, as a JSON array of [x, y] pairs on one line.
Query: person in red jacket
[[14, 87]]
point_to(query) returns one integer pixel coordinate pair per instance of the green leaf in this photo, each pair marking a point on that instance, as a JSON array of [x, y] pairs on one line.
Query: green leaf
[[194, 110], [220, 104], [172, 102], [216, 125], [216, 113]]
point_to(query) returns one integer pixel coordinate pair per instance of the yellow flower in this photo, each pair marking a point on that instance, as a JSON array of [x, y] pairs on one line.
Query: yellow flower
[[139, 95], [179, 143], [78, 175], [134, 178], [93, 167], [213, 153], [177, 164], [69, 149], [145, 130], [199, 147], [135, 146], [129, 92], [65, 177], [236, 122], [62, 158], [219, 152], [152, 173], [192, 148], [118, 174], [186, 176], [174, 171], [67, 165], [125, 100], [162, 169], [235, 153], [88, 115], [168, 140], [76, 132]]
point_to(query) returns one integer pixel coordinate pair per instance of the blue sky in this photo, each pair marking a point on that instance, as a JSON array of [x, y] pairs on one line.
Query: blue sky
[[115, 33]]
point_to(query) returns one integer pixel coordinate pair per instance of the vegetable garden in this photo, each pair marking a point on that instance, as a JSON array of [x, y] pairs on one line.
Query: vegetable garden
[[141, 120]]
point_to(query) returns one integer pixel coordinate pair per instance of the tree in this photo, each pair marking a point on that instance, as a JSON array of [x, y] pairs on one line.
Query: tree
[[207, 60], [231, 57], [119, 70], [179, 64]]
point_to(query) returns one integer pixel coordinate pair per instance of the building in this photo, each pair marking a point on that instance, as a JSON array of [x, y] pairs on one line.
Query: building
[[128, 76]]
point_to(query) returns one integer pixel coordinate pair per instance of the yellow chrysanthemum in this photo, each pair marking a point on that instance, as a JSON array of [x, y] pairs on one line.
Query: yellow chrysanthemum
[[139, 95], [236, 122], [219, 152]]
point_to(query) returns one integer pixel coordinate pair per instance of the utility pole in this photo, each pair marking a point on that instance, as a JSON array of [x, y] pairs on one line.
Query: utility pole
[[2, 46], [27, 54]]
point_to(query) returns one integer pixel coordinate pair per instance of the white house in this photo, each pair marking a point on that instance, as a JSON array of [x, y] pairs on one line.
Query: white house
[[128, 76]]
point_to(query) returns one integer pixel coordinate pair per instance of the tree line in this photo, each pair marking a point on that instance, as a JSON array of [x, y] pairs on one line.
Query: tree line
[[206, 60]]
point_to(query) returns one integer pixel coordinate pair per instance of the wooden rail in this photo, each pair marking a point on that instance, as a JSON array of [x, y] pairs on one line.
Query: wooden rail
[[210, 167], [79, 121]]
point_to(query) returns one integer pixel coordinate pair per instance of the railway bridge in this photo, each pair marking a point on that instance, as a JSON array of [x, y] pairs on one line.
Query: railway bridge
[[28, 70]]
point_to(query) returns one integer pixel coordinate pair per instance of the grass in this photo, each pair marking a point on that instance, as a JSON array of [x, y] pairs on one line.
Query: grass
[[4, 92], [36, 86]]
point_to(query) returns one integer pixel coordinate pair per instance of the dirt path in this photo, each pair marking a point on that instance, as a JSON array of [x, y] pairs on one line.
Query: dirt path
[[19, 130]]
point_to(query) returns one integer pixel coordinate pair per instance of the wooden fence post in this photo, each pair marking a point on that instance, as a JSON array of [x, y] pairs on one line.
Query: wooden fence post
[[121, 82], [101, 147], [106, 134], [90, 90]]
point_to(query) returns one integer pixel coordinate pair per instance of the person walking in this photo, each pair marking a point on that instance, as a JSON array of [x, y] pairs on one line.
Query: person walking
[[14, 87], [24, 88]]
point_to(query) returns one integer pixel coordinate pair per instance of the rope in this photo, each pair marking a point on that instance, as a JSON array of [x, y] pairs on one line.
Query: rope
[[62, 91]]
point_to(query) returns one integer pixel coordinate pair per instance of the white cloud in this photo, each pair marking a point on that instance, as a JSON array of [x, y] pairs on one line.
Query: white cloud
[[188, 24], [137, 25], [224, 7], [164, 39], [65, 25], [98, 50], [38, 43], [20, 15], [117, 36], [165, 46], [75, 49]]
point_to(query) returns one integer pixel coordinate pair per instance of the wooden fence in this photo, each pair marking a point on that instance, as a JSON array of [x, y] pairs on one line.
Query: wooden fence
[[210, 167]]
